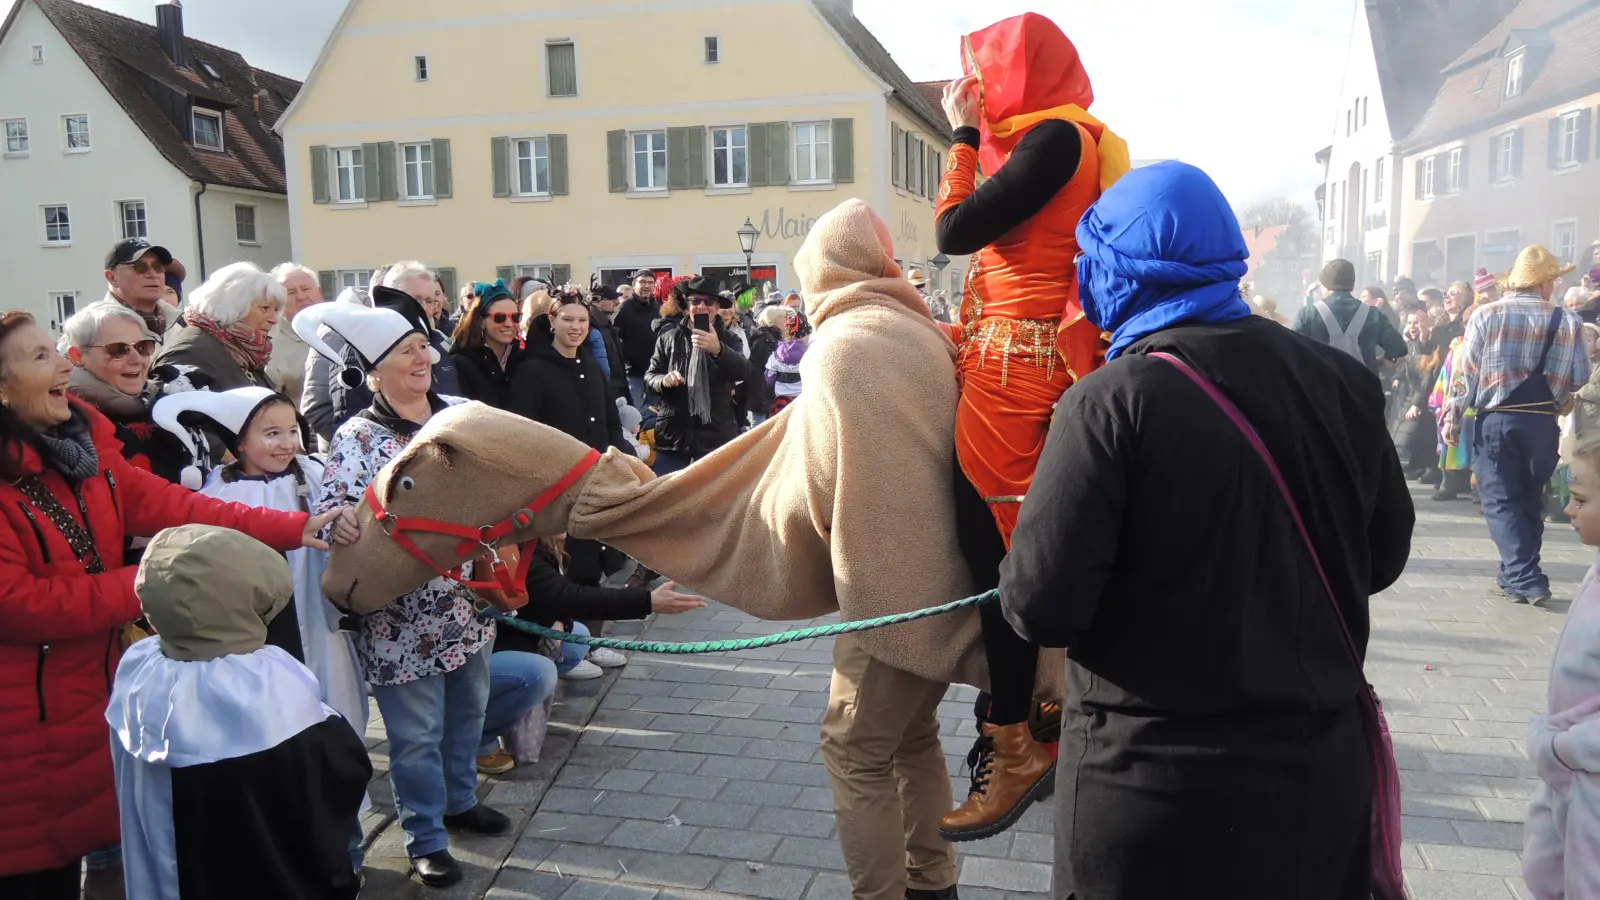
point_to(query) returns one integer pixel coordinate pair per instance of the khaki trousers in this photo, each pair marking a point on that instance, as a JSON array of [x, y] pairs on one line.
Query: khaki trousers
[[880, 741]]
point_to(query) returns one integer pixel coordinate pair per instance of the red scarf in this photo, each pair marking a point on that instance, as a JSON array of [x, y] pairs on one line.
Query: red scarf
[[250, 348]]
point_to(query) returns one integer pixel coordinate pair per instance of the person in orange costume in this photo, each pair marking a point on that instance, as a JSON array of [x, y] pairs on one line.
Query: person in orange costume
[[1021, 112]]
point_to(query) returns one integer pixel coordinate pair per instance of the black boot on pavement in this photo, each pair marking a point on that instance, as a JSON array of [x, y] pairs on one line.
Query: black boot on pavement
[[642, 576], [1431, 478], [479, 820], [948, 893], [437, 869]]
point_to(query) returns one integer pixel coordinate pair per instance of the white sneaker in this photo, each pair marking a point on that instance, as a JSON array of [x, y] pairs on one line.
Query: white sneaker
[[583, 671], [607, 658]]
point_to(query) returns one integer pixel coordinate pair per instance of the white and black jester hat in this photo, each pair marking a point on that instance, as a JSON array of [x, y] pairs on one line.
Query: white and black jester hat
[[373, 331], [222, 413]]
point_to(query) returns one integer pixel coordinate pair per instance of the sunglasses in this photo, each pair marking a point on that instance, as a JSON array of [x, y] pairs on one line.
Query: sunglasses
[[704, 301], [144, 268], [502, 318], [121, 349]]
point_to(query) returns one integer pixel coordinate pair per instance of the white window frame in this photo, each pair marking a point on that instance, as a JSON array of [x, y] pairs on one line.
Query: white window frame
[[549, 88], [211, 70], [1571, 228], [26, 147], [254, 240], [60, 309], [1380, 171], [352, 278], [123, 208], [419, 67], [1430, 177], [38, 54], [711, 49], [812, 152], [1514, 70], [1571, 129], [196, 113], [1504, 169], [534, 142], [730, 149], [1454, 158], [85, 141], [44, 220], [633, 160], [358, 175], [545, 272], [425, 173]]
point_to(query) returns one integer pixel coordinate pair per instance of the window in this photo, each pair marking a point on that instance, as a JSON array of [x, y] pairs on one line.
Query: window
[[1375, 267], [1514, 75], [419, 67], [349, 175], [353, 278], [65, 304], [210, 70], [1567, 146], [545, 273], [1348, 118], [713, 50], [729, 157], [17, 136], [913, 155], [418, 159], [131, 213], [1453, 172], [1427, 176], [1505, 156], [533, 166], [38, 54], [1427, 263], [244, 223], [561, 69], [207, 129], [77, 132], [57, 229], [1500, 249], [650, 160], [1566, 241], [1365, 102], [1378, 172], [813, 152]]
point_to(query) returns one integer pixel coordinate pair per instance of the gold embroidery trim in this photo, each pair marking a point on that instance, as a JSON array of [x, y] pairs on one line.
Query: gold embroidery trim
[[1030, 341], [1010, 498]]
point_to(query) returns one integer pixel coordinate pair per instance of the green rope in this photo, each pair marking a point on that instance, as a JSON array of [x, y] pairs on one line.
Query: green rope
[[771, 640]]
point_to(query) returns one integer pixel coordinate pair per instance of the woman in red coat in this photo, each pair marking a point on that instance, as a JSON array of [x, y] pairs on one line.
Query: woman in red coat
[[67, 498]]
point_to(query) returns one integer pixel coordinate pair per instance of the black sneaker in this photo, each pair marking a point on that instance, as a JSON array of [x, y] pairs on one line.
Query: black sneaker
[[948, 893], [1443, 495], [1431, 478], [437, 869], [479, 820]]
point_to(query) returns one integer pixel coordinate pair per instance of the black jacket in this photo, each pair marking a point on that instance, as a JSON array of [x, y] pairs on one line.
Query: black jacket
[[636, 319], [676, 429], [1205, 657], [614, 352], [568, 394], [553, 597], [757, 393], [481, 376]]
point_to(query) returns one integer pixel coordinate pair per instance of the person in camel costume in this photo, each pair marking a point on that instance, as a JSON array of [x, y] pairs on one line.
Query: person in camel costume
[[811, 513]]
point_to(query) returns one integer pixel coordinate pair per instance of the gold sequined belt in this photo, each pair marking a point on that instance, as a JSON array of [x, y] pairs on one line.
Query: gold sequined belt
[[1029, 341]]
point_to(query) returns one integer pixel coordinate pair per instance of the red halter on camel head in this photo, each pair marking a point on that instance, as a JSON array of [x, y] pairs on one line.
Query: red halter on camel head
[[1029, 72]]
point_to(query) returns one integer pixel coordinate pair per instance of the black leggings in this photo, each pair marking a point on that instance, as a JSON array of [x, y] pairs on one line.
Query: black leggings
[[1013, 662], [51, 884]]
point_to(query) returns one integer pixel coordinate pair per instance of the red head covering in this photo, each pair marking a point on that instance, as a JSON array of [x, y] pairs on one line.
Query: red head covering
[[1024, 64]]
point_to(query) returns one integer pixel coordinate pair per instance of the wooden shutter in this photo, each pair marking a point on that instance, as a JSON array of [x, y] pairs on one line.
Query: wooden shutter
[[696, 145], [1516, 154], [500, 162], [1466, 167], [387, 161], [329, 282], [372, 186], [441, 168], [844, 151], [617, 161], [1585, 125], [1554, 151], [507, 274], [1416, 181], [931, 179], [447, 278], [1494, 158], [560, 273], [558, 164], [897, 155], [678, 158], [756, 142], [319, 175], [777, 153]]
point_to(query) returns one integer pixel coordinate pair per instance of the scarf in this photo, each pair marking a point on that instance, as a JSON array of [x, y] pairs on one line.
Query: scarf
[[70, 448], [113, 403], [250, 348], [1161, 248], [699, 376], [383, 414]]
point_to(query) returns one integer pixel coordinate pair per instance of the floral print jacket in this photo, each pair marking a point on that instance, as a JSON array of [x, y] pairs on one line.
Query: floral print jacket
[[430, 631]]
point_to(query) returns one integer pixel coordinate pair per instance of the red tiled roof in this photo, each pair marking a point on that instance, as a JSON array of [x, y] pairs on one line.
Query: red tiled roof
[[1260, 242], [126, 56], [932, 91], [1561, 63]]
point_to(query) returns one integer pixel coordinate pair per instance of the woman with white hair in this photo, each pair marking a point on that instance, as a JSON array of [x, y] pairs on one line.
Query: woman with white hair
[[317, 400], [226, 329], [287, 367]]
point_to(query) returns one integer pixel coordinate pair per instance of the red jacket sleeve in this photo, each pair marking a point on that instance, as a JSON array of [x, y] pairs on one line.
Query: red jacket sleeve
[[36, 610], [155, 503]]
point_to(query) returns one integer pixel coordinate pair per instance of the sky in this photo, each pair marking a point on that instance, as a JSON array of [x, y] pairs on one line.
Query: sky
[[1244, 89]]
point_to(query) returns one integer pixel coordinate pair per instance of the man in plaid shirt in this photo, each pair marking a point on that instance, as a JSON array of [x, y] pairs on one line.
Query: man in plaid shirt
[[1523, 357]]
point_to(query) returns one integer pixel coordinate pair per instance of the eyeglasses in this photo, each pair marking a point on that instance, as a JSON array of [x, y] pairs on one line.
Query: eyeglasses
[[502, 318], [121, 349], [144, 268], [703, 301]]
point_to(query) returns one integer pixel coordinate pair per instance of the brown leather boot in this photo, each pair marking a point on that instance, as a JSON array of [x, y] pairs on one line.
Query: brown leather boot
[[1010, 770]]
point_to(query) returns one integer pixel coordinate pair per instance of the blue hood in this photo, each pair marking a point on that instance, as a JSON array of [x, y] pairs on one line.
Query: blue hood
[[1161, 248]]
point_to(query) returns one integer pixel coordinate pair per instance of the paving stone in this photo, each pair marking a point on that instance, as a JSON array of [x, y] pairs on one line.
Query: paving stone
[[711, 743], [716, 813], [788, 714], [772, 882], [672, 784], [829, 886], [752, 846], [749, 728], [728, 708], [599, 890], [586, 861], [521, 884], [1471, 860], [738, 767], [1033, 847], [672, 870], [759, 793], [1438, 806], [788, 751], [803, 774], [627, 805], [666, 761], [622, 780], [1503, 810], [816, 798], [665, 704], [799, 822], [1494, 835], [704, 691], [563, 827], [651, 836], [682, 723], [1429, 885], [1007, 875], [818, 853]]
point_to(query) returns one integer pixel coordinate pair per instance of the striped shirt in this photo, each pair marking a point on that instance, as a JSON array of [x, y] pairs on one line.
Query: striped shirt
[[1502, 346]]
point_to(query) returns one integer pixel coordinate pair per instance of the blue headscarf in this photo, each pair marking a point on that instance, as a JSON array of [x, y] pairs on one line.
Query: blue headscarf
[[1161, 248], [488, 293]]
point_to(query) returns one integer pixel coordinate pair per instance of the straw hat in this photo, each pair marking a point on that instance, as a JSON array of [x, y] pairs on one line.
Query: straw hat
[[1535, 267]]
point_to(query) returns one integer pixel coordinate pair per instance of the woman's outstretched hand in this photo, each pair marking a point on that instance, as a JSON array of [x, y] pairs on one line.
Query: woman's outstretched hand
[[667, 599]]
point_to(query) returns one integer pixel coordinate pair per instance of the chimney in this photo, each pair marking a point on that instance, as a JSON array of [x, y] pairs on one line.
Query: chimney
[[169, 29]]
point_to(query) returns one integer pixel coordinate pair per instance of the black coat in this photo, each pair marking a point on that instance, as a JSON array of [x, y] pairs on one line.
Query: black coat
[[676, 429], [614, 352], [554, 597], [481, 376], [568, 394], [757, 393], [1212, 746], [635, 323]]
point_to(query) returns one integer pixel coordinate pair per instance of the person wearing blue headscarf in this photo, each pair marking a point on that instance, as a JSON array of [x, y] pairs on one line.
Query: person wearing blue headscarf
[[1212, 742]]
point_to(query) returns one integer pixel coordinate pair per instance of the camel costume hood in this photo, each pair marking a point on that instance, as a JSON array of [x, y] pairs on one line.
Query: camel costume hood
[[841, 504]]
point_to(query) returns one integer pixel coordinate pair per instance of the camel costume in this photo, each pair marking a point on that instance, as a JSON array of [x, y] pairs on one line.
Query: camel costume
[[810, 513]]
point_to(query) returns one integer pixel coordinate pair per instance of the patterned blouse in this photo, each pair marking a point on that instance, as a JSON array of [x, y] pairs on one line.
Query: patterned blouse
[[430, 631]]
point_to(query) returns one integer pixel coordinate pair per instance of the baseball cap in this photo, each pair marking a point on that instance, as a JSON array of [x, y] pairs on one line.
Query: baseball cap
[[129, 249]]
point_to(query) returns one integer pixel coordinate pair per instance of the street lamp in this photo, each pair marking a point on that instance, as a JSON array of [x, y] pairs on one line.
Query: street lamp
[[747, 242], [939, 263]]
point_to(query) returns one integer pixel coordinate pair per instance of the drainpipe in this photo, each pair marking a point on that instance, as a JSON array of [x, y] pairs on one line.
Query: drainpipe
[[200, 231]]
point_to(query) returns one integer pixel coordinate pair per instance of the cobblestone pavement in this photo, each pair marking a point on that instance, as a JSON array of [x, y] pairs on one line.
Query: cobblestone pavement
[[699, 778]]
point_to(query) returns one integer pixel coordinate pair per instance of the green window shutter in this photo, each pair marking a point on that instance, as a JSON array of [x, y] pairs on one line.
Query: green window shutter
[[678, 158], [1516, 157], [371, 173], [329, 282], [447, 277], [558, 164], [387, 161], [897, 154], [777, 153], [500, 161], [507, 274], [1554, 147], [756, 142], [441, 168], [319, 175], [930, 185], [560, 273], [1585, 125], [844, 151], [617, 160], [697, 157]]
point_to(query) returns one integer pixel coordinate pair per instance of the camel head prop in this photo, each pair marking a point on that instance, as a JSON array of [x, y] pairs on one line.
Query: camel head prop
[[489, 477]]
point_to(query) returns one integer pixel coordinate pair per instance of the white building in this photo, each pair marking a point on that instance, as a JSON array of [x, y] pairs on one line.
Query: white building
[[115, 128]]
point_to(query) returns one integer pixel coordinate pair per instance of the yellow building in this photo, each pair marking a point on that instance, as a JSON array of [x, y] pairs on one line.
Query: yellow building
[[578, 137]]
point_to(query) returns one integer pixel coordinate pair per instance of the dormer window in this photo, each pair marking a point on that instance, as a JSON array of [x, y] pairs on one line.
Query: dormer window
[[207, 126], [1514, 74], [210, 70]]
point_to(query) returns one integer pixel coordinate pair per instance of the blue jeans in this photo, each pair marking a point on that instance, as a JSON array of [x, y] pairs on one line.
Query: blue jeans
[[1517, 456], [669, 461], [434, 727], [643, 398], [517, 683], [572, 654]]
